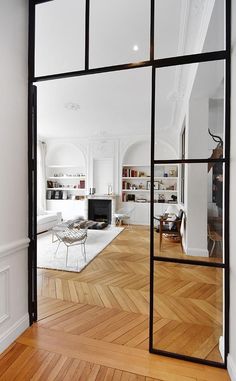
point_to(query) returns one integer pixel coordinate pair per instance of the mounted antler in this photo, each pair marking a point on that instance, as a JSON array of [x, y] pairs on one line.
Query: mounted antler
[[218, 151], [216, 139]]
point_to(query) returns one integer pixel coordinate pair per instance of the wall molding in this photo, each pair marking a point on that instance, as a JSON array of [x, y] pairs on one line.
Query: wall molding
[[13, 332], [231, 368], [4, 294], [14, 247]]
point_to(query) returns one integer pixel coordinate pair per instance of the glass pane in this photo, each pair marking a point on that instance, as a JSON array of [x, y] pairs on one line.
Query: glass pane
[[188, 27], [119, 32], [190, 101], [59, 37], [188, 310], [99, 107], [189, 211]]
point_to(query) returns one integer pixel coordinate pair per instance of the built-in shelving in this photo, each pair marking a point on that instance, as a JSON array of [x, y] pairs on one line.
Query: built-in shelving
[[63, 166], [136, 180], [67, 189], [148, 190], [66, 177], [65, 182]]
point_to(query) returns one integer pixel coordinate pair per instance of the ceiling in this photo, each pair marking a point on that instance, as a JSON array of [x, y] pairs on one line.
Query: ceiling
[[117, 103], [109, 104]]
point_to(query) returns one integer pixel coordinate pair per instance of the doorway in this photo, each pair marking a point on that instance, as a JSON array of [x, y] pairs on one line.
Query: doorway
[[202, 225]]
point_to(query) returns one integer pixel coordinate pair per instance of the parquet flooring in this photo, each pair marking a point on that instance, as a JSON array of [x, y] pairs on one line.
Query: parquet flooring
[[93, 325], [23, 362]]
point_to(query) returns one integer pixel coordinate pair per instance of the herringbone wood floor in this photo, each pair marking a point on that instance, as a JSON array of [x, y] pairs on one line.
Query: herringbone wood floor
[[112, 294], [94, 325]]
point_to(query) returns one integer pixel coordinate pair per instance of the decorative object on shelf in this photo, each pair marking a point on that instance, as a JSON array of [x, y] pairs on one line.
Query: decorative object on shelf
[[174, 198], [109, 189], [49, 194], [130, 197], [49, 184], [142, 174], [92, 191], [64, 195], [161, 198], [172, 172], [58, 195], [156, 185], [82, 184]]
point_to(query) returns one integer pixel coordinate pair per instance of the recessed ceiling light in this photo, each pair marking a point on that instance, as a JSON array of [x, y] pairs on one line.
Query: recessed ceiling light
[[135, 48]]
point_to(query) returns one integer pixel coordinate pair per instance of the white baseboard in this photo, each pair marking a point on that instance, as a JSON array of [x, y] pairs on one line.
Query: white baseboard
[[13, 332], [231, 368], [194, 252], [222, 347]]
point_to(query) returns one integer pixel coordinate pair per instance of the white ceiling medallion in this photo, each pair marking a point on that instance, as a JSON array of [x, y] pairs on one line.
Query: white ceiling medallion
[[72, 106]]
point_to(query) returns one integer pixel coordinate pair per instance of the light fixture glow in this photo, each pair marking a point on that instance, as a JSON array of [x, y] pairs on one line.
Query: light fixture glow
[[135, 48]]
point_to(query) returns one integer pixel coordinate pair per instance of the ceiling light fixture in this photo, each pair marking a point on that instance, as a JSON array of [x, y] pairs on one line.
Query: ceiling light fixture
[[135, 48], [72, 106]]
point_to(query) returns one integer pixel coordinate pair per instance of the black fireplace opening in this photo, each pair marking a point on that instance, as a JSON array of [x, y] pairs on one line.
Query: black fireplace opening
[[99, 210]]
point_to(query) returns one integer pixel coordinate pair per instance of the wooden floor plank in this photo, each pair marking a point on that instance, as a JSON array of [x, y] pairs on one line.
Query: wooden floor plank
[[94, 324]]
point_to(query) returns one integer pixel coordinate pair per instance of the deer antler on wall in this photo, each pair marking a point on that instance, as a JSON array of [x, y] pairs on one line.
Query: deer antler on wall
[[216, 139]]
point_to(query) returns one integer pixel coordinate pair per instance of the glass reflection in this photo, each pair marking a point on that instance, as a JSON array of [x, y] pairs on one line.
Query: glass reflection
[[59, 36], [192, 227], [190, 98], [119, 32], [188, 310], [188, 27]]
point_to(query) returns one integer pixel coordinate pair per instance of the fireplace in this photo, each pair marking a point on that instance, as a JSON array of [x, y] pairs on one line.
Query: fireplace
[[99, 210]]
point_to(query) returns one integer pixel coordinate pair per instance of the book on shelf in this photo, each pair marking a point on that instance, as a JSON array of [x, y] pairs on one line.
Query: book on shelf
[[129, 172], [82, 184]]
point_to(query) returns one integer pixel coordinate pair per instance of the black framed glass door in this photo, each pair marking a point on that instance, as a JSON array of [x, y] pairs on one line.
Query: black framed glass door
[[190, 64], [189, 242]]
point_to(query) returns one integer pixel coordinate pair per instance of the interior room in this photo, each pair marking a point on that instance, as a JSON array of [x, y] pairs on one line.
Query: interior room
[[94, 193], [128, 261]]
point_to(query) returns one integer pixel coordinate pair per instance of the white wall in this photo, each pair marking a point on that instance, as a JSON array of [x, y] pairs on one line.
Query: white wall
[[13, 171], [196, 181], [232, 355]]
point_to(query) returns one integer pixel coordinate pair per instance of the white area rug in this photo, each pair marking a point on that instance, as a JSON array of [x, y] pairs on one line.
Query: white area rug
[[97, 241]]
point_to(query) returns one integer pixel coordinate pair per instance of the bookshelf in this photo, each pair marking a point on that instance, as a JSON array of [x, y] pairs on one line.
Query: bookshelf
[[136, 183], [65, 182]]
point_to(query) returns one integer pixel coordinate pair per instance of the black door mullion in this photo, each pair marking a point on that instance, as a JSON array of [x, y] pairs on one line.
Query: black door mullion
[[32, 190]]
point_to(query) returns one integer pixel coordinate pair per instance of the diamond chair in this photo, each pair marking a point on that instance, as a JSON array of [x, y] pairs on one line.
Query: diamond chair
[[71, 236], [124, 214], [63, 225], [213, 237], [170, 227]]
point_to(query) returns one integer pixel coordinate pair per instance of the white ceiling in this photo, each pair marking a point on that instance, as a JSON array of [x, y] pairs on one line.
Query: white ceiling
[[117, 103], [110, 104]]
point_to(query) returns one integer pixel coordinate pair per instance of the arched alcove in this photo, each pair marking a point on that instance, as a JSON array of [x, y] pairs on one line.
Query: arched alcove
[[137, 154], [65, 155]]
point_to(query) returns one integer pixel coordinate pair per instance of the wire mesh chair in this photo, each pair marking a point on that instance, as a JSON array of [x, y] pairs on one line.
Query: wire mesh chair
[[71, 237]]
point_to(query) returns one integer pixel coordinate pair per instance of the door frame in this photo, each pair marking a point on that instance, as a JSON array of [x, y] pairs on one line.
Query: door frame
[[154, 64]]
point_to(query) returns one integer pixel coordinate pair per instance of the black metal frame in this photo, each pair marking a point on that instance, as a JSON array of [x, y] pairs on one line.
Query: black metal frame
[[154, 64]]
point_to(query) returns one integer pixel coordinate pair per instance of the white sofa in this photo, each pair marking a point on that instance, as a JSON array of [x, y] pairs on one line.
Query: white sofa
[[47, 220]]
